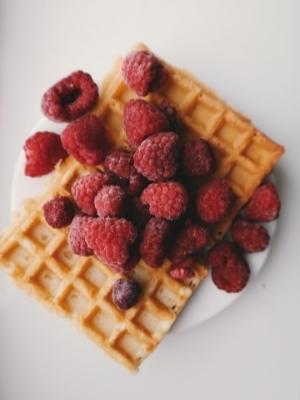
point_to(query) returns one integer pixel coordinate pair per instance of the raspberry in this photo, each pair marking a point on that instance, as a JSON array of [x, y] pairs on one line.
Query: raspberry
[[70, 98], [77, 234], [171, 113], [111, 239], [138, 212], [110, 201], [155, 240], [182, 272], [198, 158], [59, 212], [156, 156], [220, 254], [132, 186], [250, 237], [143, 72], [120, 162], [264, 205], [190, 240], [230, 272], [214, 200], [43, 150], [142, 119], [85, 140], [233, 277], [125, 293], [167, 200], [85, 188]]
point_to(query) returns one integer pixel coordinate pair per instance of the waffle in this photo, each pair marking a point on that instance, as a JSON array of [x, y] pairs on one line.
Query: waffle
[[245, 155], [38, 259]]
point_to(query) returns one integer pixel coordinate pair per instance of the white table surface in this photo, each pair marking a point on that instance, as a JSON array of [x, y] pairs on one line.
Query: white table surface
[[249, 52]]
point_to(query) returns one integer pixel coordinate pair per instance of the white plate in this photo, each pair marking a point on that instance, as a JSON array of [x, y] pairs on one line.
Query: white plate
[[205, 303]]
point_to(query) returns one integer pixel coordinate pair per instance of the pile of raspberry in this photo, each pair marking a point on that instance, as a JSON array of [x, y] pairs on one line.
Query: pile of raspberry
[[229, 269], [157, 200]]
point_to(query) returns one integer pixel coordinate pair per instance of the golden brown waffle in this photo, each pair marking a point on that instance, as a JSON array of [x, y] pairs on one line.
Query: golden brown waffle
[[39, 260], [245, 155]]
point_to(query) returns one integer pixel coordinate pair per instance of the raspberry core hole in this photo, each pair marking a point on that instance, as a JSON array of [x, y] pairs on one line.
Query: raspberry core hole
[[71, 96]]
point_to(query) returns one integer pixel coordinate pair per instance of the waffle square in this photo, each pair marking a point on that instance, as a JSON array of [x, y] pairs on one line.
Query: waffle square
[[38, 259]]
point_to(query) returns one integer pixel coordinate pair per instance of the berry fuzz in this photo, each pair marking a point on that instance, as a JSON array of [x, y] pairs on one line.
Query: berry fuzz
[[230, 272], [43, 151], [190, 240], [167, 200], [143, 72], [126, 293], [142, 119], [70, 98], [76, 238], [214, 200], [198, 158], [110, 201], [264, 205], [155, 241], [111, 240], [120, 162], [156, 156], [59, 212], [84, 139], [85, 189], [250, 237]]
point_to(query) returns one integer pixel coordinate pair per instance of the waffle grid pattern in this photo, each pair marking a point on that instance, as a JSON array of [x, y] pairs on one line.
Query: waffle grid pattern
[[37, 256], [39, 260]]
